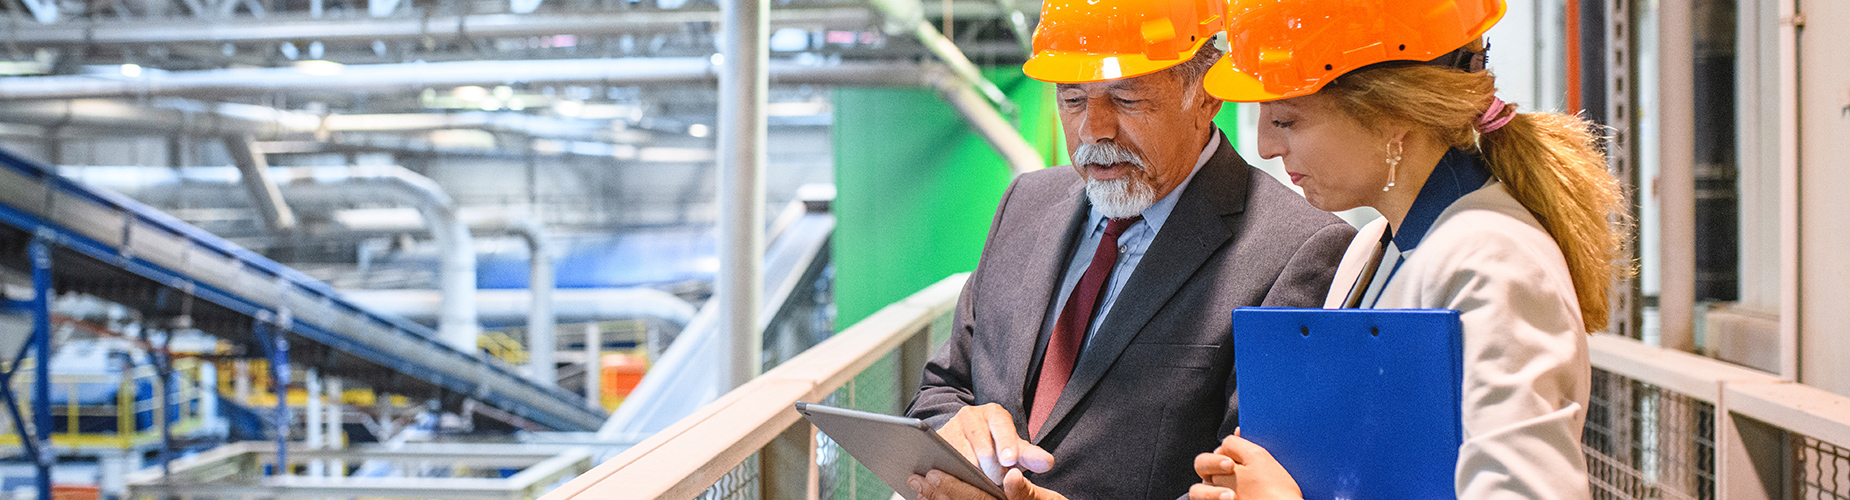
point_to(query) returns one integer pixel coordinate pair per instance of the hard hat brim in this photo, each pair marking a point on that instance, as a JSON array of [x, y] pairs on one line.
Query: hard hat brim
[[1053, 66], [1228, 84]]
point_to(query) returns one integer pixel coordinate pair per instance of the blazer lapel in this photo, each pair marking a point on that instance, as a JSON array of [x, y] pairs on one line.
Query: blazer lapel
[[1050, 251], [1195, 230]]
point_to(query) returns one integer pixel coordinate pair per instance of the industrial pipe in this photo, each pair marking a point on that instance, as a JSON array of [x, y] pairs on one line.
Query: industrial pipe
[[411, 78], [511, 307], [541, 340]]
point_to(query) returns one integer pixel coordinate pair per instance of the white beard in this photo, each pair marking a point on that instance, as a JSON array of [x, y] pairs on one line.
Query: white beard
[[1117, 198], [1120, 198]]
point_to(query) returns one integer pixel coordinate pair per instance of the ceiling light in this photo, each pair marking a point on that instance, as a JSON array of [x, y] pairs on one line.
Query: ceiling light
[[469, 93], [131, 70], [697, 130], [319, 67], [717, 59]]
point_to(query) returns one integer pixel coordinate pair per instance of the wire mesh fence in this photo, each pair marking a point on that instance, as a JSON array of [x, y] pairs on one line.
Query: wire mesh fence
[[739, 484], [879, 388], [1822, 469], [1644, 442]]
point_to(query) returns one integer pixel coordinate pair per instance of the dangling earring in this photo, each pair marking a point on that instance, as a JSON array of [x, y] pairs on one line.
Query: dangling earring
[[1393, 162]]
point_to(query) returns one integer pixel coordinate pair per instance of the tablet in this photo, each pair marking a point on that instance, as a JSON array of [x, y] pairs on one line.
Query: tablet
[[894, 448]]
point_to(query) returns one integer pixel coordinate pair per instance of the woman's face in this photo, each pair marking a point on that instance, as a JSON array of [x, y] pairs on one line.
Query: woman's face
[[1340, 163]]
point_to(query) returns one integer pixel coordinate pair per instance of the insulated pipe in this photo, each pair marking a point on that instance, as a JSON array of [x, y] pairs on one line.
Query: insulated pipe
[[541, 339], [908, 17], [254, 172], [996, 130], [164, 116], [743, 85], [285, 27], [570, 305], [409, 78]]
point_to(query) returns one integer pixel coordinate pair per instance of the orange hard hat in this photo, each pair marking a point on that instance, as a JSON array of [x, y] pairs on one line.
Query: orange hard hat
[[1279, 49], [1081, 41]]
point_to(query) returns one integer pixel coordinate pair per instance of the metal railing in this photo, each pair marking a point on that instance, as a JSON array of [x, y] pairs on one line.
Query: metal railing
[[751, 444], [1673, 425], [1661, 424], [449, 470]]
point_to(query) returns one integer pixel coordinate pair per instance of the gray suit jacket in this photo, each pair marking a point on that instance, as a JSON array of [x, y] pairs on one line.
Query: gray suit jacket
[[1155, 386]]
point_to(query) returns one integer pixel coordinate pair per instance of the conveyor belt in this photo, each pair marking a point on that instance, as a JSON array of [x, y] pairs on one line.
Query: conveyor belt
[[115, 248]]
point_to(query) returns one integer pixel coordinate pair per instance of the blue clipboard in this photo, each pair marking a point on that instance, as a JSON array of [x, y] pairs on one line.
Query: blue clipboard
[[1355, 403]]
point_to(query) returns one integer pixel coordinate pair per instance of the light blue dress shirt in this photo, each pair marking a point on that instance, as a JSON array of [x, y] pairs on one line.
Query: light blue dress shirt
[[1131, 247]]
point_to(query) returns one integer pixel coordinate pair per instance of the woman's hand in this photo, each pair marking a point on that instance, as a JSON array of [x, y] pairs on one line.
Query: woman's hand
[[1241, 470]]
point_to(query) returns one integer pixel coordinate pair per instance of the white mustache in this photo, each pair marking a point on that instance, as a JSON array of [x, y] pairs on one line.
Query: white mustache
[[1105, 153]]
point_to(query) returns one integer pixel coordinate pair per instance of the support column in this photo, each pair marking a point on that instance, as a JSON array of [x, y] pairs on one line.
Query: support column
[[40, 253], [742, 88], [1677, 176], [594, 365], [336, 435], [313, 428]]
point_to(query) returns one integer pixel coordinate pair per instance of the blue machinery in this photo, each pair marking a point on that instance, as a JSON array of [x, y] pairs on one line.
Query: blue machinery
[[75, 239]]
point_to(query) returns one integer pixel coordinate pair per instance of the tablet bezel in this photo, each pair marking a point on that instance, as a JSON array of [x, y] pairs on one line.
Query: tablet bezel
[[878, 432]]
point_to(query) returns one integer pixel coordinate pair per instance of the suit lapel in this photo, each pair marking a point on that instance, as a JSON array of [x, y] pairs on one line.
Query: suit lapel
[[1050, 251], [1196, 229]]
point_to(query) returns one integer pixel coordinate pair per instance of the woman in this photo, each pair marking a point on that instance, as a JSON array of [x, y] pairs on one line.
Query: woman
[[1501, 215]]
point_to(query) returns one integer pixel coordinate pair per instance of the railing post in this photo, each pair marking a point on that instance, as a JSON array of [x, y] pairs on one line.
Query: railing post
[[912, 356], [787, 465], [1751, 459]]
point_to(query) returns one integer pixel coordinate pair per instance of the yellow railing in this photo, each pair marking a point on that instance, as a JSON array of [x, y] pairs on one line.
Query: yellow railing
[[755, 425], [125, 408]]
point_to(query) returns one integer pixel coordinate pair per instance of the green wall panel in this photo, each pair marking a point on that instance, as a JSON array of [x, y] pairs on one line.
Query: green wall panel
[[916, 188]]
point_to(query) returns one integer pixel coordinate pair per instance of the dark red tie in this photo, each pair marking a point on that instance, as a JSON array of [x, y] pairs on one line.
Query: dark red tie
[[1069, 330]]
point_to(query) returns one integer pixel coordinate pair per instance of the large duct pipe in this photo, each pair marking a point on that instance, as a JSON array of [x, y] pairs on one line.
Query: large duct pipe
[[541, 339], [164, 116], [410, 78], [456, 325], [254, 172], [284, 27], [511, 307], [908, 17]]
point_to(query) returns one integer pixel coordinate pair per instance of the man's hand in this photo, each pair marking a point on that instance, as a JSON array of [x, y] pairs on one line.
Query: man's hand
[[985, 435], [940, 486], [1241, 470]]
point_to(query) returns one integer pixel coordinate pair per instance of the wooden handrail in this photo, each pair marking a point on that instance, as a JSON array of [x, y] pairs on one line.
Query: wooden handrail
[[686, 458]]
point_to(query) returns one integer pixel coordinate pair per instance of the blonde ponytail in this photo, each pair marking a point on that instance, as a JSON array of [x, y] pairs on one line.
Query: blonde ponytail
[[1550, 162]]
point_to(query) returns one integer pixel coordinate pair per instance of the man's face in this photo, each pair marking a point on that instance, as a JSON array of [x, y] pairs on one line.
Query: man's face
[[1113, 126]]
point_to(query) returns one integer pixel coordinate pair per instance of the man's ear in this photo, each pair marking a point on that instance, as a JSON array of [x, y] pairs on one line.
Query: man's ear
[[1209, 108]]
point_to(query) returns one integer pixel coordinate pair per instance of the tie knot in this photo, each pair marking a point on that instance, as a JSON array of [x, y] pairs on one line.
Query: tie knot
[[1116, 227]]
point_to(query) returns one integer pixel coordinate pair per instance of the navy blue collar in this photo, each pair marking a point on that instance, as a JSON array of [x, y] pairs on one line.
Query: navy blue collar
[[1458, 174]]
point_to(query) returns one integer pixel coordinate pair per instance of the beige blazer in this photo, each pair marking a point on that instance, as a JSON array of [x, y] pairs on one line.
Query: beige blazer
[[1526, 373]]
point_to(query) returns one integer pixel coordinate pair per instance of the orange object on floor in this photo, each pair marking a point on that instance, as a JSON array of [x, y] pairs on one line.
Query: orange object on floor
[[621, 373], [69, 492]]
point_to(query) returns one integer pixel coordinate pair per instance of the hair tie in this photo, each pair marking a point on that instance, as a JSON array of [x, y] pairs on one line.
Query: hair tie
[[1494, 118]]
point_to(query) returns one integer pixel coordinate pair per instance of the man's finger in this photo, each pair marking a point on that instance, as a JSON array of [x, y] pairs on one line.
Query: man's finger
[[1208, 492], [1034, 458], [1018, 487], [1208, 465], [1002, 429], [985, 447]]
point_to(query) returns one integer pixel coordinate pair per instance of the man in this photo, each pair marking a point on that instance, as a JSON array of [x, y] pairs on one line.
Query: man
[[1090, 350]]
